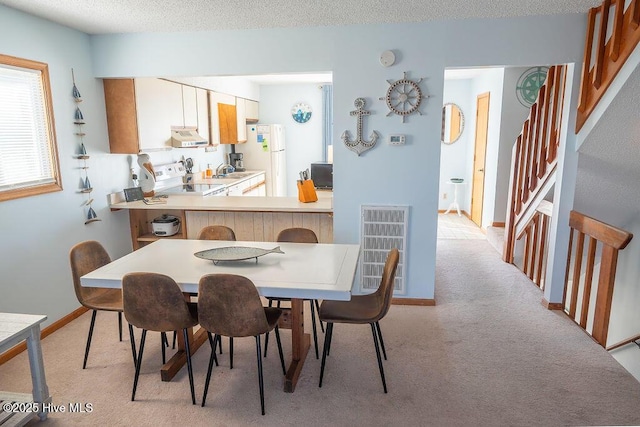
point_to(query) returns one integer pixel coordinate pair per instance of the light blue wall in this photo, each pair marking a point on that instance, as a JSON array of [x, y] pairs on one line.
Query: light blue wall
[[37, 232], [388, 175], [303, 140]]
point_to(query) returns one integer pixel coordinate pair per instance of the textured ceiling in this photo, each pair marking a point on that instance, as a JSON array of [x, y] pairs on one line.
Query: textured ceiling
[[127, 16]]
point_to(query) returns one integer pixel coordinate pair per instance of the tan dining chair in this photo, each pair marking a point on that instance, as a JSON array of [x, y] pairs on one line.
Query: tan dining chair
[[154, 302], [298, 235], [229, 305], [216, 232], [85, 257], [362, 309]]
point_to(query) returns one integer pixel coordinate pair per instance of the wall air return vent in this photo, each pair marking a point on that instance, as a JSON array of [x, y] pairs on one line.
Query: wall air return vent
[[383, 228]]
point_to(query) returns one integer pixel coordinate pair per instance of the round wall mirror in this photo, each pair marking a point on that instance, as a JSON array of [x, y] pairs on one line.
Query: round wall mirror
[[452, 123]]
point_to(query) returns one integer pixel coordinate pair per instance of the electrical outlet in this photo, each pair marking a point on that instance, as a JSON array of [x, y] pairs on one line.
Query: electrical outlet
[[444, 196]]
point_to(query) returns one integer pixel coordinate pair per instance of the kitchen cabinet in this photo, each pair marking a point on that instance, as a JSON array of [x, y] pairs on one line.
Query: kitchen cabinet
[[241, 123], [141, 112], [223, 128], [142, 231], [252, 111]]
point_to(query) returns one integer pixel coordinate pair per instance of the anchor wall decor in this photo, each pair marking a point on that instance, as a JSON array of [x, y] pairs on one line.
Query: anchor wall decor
[[359, 145]]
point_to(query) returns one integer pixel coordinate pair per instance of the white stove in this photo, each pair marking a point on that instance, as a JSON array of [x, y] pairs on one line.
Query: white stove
[[170, 182], [194, 190]]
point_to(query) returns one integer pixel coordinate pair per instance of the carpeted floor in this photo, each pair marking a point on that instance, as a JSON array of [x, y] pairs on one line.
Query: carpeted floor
[[487, 354]]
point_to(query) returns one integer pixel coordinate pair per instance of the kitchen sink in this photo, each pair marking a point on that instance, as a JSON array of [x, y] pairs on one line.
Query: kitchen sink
[[236, 175]]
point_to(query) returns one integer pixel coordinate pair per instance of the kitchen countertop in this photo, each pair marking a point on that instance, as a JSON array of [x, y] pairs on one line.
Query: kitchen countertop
[[233, 203], [229, 180]]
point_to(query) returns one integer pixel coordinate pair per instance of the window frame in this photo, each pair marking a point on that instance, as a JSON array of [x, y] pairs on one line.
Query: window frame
[[56, 185]]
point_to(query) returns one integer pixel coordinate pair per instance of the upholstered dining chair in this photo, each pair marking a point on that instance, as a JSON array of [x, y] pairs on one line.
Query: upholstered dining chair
[[216, 232], [298, 235], [362, 309], [229, 305], [154, 302], [84, 258], [219, 232]]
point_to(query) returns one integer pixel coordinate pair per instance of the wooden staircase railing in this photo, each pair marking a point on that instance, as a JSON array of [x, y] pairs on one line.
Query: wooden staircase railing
[[536, 233], [604, 57], [606, 241], [534, 157]]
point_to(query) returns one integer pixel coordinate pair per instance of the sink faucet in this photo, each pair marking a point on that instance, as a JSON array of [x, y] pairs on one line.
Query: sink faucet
[[222, 169]]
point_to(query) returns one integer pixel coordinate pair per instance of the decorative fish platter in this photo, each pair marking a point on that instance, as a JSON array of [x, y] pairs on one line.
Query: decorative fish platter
[[235, 253]]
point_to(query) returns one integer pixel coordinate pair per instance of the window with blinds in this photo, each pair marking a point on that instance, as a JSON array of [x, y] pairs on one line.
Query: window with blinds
[[28, 153]]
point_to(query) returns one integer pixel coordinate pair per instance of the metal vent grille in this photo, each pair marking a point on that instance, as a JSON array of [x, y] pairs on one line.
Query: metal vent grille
[[383, 228]]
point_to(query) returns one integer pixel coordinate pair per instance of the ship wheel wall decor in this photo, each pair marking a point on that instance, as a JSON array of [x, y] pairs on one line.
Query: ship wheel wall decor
[[404, 97]]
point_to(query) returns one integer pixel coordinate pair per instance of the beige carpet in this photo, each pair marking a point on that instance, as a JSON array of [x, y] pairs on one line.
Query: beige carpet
[[488, 354]]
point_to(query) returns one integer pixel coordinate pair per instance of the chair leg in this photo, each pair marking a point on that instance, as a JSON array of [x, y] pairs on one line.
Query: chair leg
[[277, 331], [163, 338], [313, 327], [384, 352], [86, 351], [317, 304], [325, 351], [175, 335], [120, 325], [212, 358], [266, 336], [187, 348], [330, 338], [230, 352], [133, 344], [138, 363], [375, 341], [260, 381]]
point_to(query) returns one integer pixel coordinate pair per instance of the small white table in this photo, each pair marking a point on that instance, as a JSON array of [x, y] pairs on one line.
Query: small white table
[[14, 328], [304, 271], [455, 205]]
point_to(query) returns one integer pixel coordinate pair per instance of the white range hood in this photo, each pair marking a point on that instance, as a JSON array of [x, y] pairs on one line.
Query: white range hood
[[185, 137]]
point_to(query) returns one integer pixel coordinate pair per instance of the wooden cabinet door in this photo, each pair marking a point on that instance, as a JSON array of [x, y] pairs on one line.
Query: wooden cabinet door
[[228, 123], [122, 123]]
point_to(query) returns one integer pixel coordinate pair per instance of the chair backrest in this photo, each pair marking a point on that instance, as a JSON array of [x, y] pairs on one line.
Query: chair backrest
[[230, 305], [297, 235], [216, 232], [385, 290], [84, 258], [155, 302]]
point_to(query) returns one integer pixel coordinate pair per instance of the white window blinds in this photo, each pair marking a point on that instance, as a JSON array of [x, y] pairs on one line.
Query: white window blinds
[[26, 157]]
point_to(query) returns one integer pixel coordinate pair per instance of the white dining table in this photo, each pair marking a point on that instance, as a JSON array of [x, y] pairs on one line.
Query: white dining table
[[303, 271]]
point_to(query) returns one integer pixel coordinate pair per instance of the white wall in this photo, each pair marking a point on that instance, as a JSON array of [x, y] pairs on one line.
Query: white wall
[[406, 175], [303, 140]]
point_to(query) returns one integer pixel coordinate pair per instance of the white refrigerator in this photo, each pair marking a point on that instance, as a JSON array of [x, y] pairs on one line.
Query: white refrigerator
[[265, 150]]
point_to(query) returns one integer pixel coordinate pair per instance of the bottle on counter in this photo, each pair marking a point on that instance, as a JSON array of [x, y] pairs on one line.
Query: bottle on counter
[[209, 171]]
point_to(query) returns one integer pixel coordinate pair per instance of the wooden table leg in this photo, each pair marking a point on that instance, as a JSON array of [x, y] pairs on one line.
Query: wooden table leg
[[300, 343], [39, 382]]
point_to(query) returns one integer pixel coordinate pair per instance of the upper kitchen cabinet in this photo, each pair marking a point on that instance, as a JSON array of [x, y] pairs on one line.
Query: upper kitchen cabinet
[[252, 111], [223, 123], [141, 112], [247, 112]]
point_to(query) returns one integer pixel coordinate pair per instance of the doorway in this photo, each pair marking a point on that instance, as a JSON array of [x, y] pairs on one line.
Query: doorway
[[479, 157]]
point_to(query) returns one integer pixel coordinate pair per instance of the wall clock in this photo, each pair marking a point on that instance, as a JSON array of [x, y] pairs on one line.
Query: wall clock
[[529, 85], [403, 97], [301, 112]]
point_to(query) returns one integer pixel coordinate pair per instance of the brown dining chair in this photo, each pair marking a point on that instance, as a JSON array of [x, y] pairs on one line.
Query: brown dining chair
[[298, 235], [154, 302], [362, 309], [216, 232], [84, 258], [229, 305]]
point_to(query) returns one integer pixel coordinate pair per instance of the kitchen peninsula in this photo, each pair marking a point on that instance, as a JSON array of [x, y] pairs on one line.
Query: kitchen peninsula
[[252, 218]]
